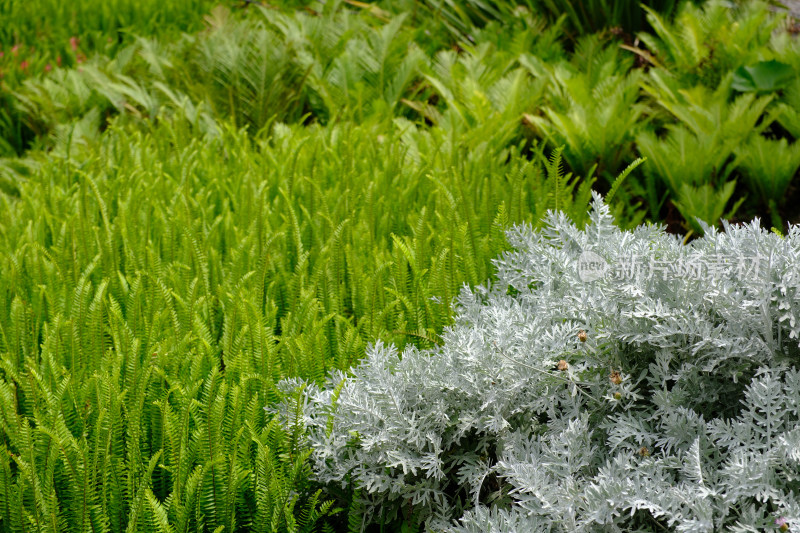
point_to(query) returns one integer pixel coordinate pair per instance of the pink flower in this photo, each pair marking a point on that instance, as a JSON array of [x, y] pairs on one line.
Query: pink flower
[[782, 524], [80, 58], [15, 49], [48, 68], [1, 53], [58, 61], [73, 43], [24, 65]]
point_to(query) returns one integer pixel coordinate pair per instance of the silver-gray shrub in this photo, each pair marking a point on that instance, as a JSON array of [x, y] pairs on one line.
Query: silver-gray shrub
[[492, 431]]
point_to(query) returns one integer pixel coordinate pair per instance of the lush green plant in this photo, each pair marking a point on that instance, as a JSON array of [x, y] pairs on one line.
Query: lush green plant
[[703, 62], [479, 99], [706, 204], [253, 70], [582, 16], [592, 106], [769, 166], [155, 283], [706, 42], [373, 71], [789, 109], [246, 71], [595, 15], [711, 112], [17, 64], [50, 25], [693, 161], [764, 76], [12, 133], [607, 380], [37, 37], [680, 163], [340, 64], [198, 216]]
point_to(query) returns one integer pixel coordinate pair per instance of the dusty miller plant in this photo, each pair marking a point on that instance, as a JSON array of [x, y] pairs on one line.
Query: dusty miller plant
[[607, 380]]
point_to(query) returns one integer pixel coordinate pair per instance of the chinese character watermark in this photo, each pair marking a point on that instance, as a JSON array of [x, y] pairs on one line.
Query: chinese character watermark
[[592, 267]]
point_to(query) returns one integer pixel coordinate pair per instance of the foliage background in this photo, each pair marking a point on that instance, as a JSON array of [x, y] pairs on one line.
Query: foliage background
[[197, 201]]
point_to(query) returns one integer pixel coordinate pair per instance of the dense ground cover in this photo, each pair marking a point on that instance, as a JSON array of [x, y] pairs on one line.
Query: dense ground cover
[[606, 381], [202, 201]]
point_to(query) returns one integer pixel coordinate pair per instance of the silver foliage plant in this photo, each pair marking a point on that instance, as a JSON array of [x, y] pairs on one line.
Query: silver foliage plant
[[607, 380]]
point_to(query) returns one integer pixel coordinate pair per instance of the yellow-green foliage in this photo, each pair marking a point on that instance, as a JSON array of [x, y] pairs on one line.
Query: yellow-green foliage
[[190, 218], [154, 285]]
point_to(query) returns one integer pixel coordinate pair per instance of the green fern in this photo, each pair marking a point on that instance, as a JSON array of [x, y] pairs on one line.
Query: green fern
[[151, 298], [621, 179], [592, 107], [706, 204], [704, 43], [769, 167]]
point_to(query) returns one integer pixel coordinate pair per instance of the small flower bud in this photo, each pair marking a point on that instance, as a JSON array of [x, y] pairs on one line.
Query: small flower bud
[[582, 336], [615, 378], [563, 365], [644, 452], [617, 395]]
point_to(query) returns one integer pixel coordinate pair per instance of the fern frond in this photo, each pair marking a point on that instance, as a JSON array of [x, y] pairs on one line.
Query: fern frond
[[621, 178]]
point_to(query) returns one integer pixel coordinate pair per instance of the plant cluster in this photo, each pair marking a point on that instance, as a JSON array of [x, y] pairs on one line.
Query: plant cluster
[[153, 294], [199, 202], [580, 17], [49, 25], [705, 98], [607, 380]]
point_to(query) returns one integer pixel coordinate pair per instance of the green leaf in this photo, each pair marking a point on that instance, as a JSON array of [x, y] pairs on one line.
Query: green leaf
[[766, 76]]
